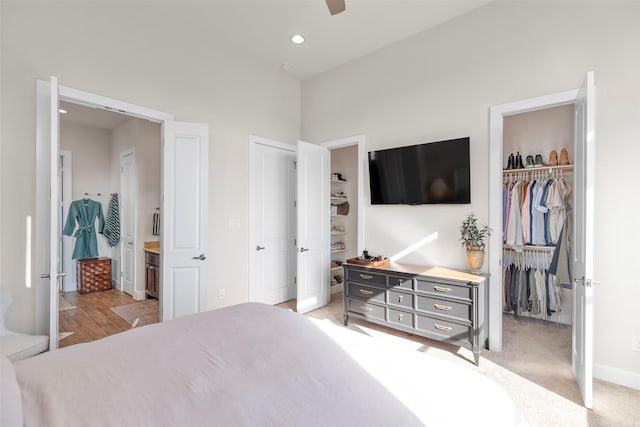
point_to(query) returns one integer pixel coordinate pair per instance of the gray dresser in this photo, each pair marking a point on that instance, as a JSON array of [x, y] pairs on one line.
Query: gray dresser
[[437, 303]]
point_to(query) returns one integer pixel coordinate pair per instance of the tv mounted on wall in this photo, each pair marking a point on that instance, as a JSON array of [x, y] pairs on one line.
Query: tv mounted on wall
[[431, 173]]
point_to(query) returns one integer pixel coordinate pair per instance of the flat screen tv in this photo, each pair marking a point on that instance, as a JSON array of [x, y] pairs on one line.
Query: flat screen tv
[[431, 173]]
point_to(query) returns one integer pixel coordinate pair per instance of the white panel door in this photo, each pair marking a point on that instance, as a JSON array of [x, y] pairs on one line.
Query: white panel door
[[273, 225], [128, 226], [47, 213], [184, 214], [314, 216], [584, 187]]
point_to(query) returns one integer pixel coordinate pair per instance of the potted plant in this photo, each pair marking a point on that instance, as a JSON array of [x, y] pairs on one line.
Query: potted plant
[[473, 239]]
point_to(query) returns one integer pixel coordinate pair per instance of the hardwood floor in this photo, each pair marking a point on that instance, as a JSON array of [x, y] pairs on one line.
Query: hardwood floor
[[92, 318]]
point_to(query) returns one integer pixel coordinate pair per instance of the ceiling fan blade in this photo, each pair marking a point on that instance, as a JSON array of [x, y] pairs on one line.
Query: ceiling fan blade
[[335, 6]]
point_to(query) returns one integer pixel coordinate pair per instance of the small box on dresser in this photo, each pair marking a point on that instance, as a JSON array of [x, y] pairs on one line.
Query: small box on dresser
[[93, 274], [437, 303]]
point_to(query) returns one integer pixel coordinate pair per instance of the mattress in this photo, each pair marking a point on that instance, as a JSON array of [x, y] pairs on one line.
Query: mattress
[[251, 365]]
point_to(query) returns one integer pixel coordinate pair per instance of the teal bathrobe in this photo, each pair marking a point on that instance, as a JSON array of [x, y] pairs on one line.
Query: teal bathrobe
[[84, 212]]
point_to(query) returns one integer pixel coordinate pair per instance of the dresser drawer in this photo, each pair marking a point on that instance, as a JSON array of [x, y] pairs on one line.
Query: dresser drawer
[[444, 289], [365, 309], [401, 299], [442, 307], [400, 282], [363, 292], [365, 277], [402, 318], [442, 329]]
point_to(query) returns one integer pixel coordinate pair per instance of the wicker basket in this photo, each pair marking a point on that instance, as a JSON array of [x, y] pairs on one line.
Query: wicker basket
[[93, 274]]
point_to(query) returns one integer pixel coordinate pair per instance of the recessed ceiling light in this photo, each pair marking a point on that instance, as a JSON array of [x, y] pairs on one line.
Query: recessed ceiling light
[[61, 111], [286, 66], [297, 39]]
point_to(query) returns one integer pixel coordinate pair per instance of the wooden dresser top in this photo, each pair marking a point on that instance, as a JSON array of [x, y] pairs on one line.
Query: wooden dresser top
[[440, 272]]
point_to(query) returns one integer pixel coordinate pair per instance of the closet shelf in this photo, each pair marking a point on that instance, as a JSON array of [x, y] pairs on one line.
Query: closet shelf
[[547, 169]]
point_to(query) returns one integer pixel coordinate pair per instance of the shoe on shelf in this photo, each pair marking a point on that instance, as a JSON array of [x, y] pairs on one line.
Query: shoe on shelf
[[509, 162], [553, 158], [539, 162], [529, 162], [519, 164], [564, 157]]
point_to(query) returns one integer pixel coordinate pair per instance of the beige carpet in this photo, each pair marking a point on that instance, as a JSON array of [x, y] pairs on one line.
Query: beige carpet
[[140, 313], [63, 304], [534, 368]]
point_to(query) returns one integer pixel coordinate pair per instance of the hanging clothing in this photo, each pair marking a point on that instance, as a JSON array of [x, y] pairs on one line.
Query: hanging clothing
[[112, 222], [84, 212]]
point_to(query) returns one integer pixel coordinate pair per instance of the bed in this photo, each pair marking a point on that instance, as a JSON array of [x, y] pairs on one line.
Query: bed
[[248, 365]]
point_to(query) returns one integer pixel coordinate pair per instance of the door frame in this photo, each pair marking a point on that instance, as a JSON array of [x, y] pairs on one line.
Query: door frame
[[254, 141], [137, 294], [496, 130], [358, 140], [75, 96]]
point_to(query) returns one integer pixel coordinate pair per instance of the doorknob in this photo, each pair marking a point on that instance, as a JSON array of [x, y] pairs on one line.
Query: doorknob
[[585, 282], [47, 275], [202, 257], [303, 249], [259, 248]]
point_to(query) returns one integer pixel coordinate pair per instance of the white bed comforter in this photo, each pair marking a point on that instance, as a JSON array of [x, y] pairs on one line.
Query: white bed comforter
[[248, 365]]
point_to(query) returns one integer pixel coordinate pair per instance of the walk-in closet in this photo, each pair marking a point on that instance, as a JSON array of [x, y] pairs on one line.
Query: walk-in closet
[[537, 230], [344, 210]]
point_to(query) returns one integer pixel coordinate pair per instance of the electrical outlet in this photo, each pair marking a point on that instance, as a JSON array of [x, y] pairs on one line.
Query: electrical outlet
[[635, 344], [221, 294]]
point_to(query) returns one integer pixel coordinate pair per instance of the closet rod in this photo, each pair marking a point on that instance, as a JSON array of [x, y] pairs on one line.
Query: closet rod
[[528, 248], [547, 169]]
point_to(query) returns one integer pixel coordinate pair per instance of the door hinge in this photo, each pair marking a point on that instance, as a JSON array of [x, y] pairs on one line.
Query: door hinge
[[295, 165], [295, 203], [295, 280], [295, 242]]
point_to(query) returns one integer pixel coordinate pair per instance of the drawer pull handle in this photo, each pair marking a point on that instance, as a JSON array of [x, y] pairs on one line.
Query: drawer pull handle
[[441, 289], [366, 276], [400, 316], [442, 307], [366, 292], [366, 309], [442, 328], [400, 298]]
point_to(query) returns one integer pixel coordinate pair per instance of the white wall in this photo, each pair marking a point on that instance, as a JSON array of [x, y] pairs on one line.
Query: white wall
[[441, 83], [145, 138], [125, 51]]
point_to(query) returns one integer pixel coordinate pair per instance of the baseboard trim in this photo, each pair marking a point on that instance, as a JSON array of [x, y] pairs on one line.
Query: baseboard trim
[[617, 376]]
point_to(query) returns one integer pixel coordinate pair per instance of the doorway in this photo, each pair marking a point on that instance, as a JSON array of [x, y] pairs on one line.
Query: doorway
[[184, 172], [349, 158], [581, 261], [99, 146]]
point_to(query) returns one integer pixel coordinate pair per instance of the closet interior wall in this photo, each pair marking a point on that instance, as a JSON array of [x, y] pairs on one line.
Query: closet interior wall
[[531, 134]]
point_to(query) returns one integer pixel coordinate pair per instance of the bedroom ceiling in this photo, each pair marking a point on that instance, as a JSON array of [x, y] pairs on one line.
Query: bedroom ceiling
[[264, 28]]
